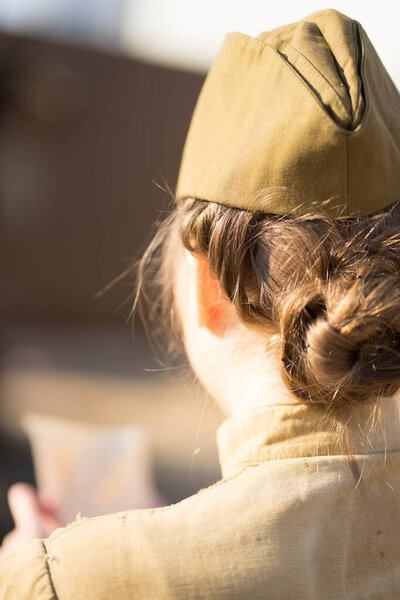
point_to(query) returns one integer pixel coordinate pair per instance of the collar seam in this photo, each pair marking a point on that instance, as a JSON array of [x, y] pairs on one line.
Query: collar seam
[[257, 463]]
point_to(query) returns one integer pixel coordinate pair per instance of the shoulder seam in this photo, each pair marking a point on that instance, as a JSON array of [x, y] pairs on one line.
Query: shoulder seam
[[46, 557]]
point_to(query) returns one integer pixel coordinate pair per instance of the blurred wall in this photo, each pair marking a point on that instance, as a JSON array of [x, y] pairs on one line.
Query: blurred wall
[[83, 137]]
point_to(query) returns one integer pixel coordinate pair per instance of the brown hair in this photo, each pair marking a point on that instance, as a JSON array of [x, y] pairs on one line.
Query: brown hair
[[331, 286]]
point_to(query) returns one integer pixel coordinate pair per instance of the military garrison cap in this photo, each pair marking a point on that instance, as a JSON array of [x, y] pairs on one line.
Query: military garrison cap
[[303, 118]]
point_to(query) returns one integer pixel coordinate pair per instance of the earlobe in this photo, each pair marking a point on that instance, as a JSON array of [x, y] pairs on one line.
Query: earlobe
[[211, 304]]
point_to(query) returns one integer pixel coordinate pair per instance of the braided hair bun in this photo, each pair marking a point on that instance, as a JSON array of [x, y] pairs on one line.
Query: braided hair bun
[[341, 322], [331, 286]]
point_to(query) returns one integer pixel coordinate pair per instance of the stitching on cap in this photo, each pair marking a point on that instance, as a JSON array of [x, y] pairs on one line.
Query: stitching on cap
[[263, 45], [312, 67], [53, 589], [363, 80]]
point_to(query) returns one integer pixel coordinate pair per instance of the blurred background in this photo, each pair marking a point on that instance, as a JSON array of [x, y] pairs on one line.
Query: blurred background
[[95, 101]]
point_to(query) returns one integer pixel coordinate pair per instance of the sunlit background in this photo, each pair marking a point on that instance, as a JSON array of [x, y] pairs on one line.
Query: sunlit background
[[95, 101], [187, 33]]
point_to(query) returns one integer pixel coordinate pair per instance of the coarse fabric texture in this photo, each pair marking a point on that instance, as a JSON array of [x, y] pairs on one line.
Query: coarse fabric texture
[[304, 118], [288, 521]]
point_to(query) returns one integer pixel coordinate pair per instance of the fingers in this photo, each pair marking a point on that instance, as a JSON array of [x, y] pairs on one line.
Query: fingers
[[12, 541], [33, 517], [25, 509]]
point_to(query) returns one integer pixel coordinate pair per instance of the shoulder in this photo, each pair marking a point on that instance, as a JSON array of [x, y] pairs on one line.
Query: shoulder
[[127, 554]]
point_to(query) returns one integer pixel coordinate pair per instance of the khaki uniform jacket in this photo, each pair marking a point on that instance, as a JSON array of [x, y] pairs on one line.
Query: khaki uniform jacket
[[289, 520]]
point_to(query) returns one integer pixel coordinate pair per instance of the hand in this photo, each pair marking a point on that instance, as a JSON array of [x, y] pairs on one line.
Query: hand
[[33, 517]]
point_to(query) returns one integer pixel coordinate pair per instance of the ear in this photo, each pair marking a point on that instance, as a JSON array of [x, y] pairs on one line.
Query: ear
[[213, 308]]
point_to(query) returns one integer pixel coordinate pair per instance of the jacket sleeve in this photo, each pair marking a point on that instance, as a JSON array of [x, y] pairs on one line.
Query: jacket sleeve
[[134, 555], [25, 574], [87, 560]]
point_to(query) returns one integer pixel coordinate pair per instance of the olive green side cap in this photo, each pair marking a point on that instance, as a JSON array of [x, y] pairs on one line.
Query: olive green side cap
[[301, 119]]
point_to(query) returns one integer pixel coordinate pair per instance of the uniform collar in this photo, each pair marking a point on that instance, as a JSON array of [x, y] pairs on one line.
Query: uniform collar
[[292, 430]]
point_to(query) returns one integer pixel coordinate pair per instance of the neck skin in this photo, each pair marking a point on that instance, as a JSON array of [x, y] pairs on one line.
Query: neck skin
[[239, 371], [239, 367]]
